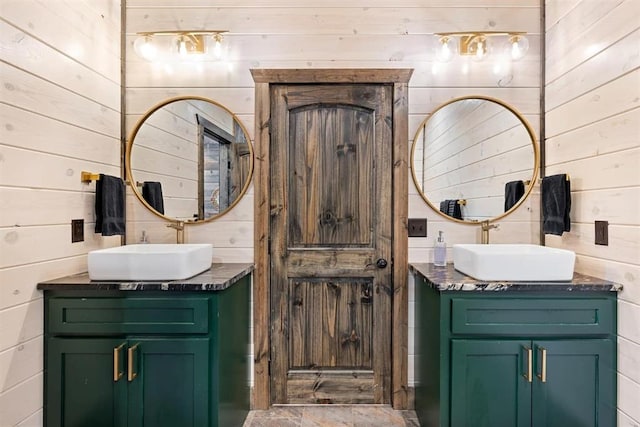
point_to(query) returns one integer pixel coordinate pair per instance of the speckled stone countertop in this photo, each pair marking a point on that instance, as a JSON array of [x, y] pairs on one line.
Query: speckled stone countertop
[[449, 279], [219, 277]]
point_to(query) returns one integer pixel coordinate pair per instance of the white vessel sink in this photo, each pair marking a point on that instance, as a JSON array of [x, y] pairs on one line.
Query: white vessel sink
[[149, 261], [517, 262]]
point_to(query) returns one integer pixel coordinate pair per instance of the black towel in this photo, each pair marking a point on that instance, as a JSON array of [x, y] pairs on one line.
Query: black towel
[[451, 208], [513, 192], [556, 204], [152, 193], [110, 201], [444, 206], [455, 209]]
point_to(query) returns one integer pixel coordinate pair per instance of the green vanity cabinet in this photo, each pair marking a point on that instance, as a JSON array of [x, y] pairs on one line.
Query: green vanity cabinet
[[80, 385], [147, 358], [490, 383], [515, 357], [168, 384]]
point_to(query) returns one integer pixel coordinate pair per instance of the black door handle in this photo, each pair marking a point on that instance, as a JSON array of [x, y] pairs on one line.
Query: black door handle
[[381, 263]]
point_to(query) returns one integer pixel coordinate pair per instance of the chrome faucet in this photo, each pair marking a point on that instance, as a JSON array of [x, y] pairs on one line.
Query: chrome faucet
[[485, 231], [179, 226]]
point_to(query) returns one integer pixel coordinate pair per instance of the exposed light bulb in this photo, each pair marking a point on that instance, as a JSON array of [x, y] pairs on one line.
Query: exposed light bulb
[[518, 46], [480, 50], [446, 49], [182, 46], [217, 49], [145, 47], [217, 45]]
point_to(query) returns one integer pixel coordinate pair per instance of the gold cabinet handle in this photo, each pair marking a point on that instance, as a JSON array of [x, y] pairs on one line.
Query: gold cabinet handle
[[131, 374], [543, 370], [117, 374], [529, 375]]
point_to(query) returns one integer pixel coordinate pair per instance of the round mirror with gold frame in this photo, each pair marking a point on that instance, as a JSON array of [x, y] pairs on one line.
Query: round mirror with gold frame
[[189, 159], [475, 160]]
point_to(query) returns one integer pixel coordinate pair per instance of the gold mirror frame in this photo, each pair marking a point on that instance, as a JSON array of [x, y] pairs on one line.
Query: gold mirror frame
[[528, 187], [131, 178]]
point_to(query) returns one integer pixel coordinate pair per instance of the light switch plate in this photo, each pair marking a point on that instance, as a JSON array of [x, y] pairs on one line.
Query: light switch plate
[[77, 230], [602, 233], [417, 227]]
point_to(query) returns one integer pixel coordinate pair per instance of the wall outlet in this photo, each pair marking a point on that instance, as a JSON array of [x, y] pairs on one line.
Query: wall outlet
[[602, 233], [417, 227], [77, 230]]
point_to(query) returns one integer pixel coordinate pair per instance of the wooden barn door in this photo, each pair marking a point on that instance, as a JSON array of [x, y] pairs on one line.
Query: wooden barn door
[[331, 242]]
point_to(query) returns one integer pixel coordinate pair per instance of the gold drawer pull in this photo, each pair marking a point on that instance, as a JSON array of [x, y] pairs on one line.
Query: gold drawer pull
[[116, 363], [131, 374], [529, 375], [543, 370]]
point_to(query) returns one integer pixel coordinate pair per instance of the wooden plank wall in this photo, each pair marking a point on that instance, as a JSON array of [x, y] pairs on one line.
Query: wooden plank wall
[[60, 111], [334, 34], [472, 149], [592, 115]]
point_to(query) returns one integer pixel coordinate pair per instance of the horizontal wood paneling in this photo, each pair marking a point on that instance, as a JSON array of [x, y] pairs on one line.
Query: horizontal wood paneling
[[629, 358], [601, 103], [59, 115], [22, 402], [589, 206], [262, 4], [593, 131], [624, 242], [25, 245], [628, 391], [334, 20], [616, 133], [21, 323], [589, 28], [235, 71], [34, 56], [33, 131], [50, 172], [22, 207], [91, 33], [35, 420], [620, 58], [18, 283], [619, 169], [34, 94], [19, 363]]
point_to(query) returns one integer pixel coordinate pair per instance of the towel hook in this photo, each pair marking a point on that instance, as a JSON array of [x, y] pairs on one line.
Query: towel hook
[[87, 177]]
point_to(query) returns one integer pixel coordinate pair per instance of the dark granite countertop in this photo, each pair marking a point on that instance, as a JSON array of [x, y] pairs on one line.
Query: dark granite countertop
[[449, 279], [217, 278]]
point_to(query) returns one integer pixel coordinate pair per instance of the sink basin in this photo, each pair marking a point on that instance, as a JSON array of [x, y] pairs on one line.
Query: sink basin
[[517, 262], [149, 261]]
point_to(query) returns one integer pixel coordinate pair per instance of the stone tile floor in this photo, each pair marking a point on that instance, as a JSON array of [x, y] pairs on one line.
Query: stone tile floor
[[332, 416]]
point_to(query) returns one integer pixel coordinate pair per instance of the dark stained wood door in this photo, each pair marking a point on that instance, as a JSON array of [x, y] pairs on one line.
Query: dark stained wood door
[[331, 242]]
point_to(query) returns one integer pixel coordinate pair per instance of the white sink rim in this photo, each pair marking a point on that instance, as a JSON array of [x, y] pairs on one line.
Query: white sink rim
[[156, 261], [514, 262]]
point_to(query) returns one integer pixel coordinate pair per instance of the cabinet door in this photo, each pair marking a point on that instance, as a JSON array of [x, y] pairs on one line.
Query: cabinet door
[[81, 389], [490, 383], [171, 383], [579, 388]]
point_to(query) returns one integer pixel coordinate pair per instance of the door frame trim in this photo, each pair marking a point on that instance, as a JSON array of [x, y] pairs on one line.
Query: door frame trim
[[399, 79]]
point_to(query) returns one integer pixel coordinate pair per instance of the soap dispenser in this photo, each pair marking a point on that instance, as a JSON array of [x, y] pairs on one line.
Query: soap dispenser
[[440, 251]]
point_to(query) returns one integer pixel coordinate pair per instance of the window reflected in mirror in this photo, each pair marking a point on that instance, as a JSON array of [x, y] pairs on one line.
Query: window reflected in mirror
[[197, 154]]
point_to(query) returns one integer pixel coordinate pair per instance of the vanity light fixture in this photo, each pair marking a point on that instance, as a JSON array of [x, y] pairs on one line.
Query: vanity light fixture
[[476, 44], [184, 44]]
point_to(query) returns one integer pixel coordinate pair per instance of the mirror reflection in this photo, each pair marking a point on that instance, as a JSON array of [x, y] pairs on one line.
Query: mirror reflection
[[474, 159], [190, 159]]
